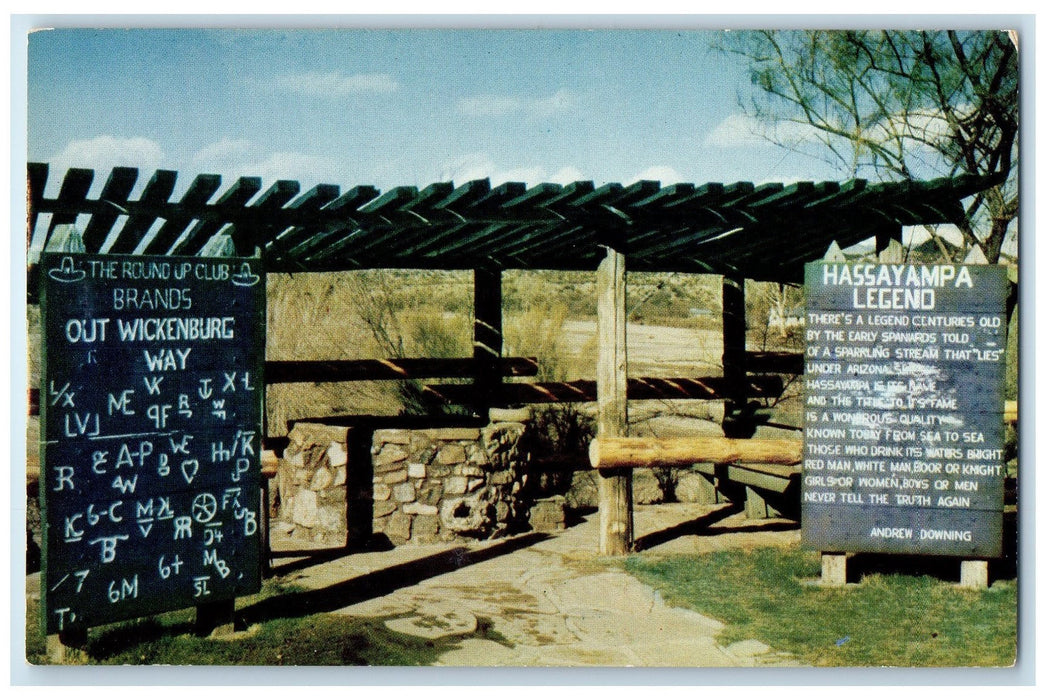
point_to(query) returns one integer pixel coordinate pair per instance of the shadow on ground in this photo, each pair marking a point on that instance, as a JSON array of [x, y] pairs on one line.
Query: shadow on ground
[[378, 583]]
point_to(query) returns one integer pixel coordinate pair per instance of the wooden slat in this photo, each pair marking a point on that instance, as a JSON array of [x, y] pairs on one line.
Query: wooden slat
[[198, 194], [665, 196], [234, 199], [291, 371], [71, 197], [157, 191], [115, 193], [393, 199], [341, 210], [465, 195], [776, 478], [36, 175], [536, 196], [639, 388], [262, 217]]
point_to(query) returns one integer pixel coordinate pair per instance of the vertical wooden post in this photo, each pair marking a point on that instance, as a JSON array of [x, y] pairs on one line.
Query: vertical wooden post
[[215, 619], [833, 569], [973, 573], [486, 338], [734, 364], [615, 486]]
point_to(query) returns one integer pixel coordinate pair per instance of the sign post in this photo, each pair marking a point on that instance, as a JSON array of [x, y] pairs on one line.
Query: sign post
[[151, 408], [903, 409]]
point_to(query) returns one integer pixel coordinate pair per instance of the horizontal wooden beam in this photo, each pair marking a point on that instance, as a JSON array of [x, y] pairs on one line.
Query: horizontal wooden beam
[[290, 371], [775, 362], [620, 453], [768, 477], [639, 388]]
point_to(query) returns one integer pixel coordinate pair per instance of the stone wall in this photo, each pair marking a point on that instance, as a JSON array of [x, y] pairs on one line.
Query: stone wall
[[311, 483], [449, 483], [341, 486]]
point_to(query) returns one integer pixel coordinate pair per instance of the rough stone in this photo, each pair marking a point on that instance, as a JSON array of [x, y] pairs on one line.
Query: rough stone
[[420, 509], [691, 487], [502, 477], [496, 437], [392, 435], [584, 490], [448, 434], [548, 514], [382, 492], [308, 434], [452, 453], [330, 519], [336, 455], [390, 455], [416, 470], [321, 480], [471, 470], [455, 484], [425, 527], [404, 492], [295, 458], [430, 491], [398, 528], [436, 471], [510, 415], [339, 476], [645, 487], [476, 454], [474, 484], [305, 509], [465, 515], [397, 477], [383, 508], [502, 511]]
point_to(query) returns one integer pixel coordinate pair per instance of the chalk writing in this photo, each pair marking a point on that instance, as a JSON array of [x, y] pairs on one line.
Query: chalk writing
[[150, 434], [903, 387]]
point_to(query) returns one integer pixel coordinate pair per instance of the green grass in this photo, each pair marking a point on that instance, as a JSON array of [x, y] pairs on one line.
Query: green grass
[[313, 640], [887, 620]]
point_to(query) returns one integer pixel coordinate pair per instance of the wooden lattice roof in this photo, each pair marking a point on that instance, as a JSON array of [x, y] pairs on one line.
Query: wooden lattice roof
[[759, 231]]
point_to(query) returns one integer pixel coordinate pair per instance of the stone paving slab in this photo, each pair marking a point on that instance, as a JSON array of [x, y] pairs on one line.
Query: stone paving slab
[[552, 602]]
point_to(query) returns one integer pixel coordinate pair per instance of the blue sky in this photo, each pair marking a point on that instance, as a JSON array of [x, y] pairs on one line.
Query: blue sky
[[400, 107]]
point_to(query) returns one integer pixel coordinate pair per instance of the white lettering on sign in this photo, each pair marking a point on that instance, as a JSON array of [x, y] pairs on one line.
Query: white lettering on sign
[[146, 356]]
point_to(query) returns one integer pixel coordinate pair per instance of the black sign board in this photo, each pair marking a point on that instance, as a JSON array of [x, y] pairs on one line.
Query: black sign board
[[151, 406], [903, 408]]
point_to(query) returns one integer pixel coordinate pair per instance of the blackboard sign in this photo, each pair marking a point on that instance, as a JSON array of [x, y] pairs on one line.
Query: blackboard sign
[[903, 414], [151, 406]]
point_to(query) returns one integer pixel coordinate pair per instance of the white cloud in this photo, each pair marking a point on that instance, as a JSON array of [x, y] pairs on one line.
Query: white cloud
[[475, 166], [664, 174], [744, 130], [336, 84], [220, 153], [565, 176], [106, 152], [504, 105]]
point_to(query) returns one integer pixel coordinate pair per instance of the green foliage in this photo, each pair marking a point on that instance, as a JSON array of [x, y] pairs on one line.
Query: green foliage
[[912, 104], [887, 620]]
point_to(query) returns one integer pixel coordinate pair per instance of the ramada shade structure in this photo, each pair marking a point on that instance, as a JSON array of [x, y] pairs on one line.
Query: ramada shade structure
[[763, 232]]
